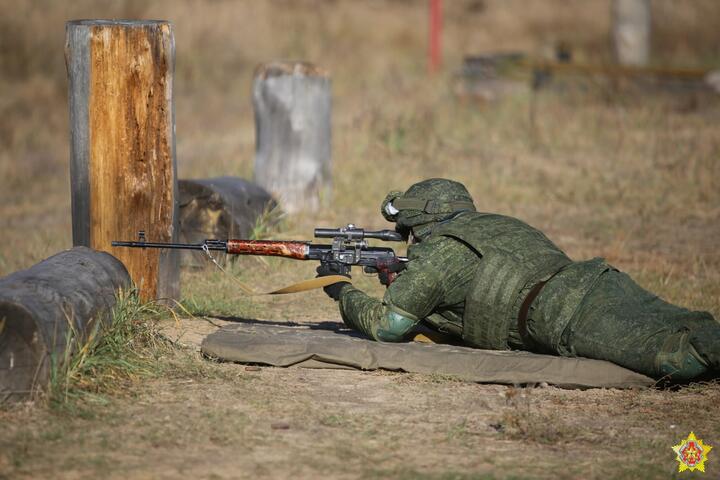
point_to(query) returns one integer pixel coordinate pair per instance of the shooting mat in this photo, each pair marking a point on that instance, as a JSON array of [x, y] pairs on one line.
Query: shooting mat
[[328, 345]]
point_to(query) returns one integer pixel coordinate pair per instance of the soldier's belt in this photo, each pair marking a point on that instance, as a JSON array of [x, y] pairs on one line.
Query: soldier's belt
[[525, 308]]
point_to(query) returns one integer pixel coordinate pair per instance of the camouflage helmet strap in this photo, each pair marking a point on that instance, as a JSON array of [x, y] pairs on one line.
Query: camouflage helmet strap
[[432, 206]]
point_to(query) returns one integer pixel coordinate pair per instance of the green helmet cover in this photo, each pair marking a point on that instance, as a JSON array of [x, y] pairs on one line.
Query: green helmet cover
[[425, 203]]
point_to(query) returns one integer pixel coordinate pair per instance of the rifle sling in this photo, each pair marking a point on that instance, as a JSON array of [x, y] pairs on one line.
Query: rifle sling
[[310, 284]]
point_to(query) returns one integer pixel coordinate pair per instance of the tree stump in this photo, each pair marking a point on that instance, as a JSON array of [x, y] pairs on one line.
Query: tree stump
[[631, 31], [40, 306], [293, 134], [122, 153]]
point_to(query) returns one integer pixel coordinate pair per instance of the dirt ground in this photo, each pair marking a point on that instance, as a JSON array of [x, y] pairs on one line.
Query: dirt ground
[[227, 421], [606, 167], [202, 419]]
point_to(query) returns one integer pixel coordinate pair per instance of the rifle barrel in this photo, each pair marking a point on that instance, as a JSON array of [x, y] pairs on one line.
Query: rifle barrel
[[213, 245]]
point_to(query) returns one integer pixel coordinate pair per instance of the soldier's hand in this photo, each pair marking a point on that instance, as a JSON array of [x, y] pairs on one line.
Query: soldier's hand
[[332, 290], [388, 275]]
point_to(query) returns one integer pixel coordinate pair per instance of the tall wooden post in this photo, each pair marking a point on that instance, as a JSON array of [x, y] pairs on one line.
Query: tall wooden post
[[122, 150], [631, 31], [292, 103]]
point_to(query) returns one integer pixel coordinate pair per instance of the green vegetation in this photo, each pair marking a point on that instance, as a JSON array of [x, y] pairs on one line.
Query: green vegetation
[[112, 356], [269, 222]]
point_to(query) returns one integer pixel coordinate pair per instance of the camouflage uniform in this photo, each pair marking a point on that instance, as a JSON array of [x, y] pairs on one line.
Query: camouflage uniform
[[498, 283]]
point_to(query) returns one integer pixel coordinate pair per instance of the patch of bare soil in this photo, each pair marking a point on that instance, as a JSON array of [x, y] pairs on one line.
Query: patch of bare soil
[[224, 421]]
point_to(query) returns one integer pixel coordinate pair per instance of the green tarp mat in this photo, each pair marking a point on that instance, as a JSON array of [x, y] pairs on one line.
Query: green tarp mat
[[320, 346]]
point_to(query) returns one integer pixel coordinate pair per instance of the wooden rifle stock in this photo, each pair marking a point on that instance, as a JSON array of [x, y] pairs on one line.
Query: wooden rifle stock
[[273, 248]]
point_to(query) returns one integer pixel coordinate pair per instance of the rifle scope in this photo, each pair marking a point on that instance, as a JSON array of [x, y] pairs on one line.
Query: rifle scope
[[353, 233]]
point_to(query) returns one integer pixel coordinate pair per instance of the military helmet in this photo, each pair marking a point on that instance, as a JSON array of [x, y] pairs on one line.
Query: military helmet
[[425, 203]]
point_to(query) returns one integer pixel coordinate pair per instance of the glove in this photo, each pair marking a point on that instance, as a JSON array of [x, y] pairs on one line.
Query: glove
[[385, 274], [333, 290]]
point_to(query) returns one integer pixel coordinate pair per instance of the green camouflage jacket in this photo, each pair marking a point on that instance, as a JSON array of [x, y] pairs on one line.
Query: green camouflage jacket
[[470, 275]]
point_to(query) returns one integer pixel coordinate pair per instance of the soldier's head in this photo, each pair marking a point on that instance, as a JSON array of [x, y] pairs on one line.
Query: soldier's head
[[424, 204]]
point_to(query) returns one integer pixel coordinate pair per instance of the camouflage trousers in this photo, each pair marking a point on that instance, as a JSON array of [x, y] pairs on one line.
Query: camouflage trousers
[[621, 322]]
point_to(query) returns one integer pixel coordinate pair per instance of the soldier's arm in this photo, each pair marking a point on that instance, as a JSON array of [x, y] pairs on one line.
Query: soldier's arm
[[436, 267]]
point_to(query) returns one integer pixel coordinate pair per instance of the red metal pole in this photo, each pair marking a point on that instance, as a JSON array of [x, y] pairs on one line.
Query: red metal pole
[[434, 47]]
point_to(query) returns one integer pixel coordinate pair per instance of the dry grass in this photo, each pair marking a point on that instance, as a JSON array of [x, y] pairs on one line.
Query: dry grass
[[605, 168], [110, 358]]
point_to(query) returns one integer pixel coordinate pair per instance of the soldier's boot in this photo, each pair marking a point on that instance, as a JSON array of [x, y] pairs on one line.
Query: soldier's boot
[[679, 359], [706, 341]]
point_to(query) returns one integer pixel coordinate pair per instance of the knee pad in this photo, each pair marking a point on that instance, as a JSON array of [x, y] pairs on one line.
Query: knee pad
[[678, 359]]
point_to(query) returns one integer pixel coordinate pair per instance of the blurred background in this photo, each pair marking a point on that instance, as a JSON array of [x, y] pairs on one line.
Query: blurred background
[[606, 166]]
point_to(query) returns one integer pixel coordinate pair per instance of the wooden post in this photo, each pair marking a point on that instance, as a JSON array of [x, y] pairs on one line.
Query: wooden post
[[122, 151], [631, 31], [292, 103]]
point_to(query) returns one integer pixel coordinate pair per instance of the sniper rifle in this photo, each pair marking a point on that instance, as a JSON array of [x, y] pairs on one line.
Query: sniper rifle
[[349, 248]]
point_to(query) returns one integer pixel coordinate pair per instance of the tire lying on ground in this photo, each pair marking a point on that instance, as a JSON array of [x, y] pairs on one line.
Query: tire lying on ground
[[39, 307], [220, 208]]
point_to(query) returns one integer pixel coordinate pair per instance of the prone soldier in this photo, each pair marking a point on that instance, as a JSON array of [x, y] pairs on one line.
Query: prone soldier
[[497, 283]]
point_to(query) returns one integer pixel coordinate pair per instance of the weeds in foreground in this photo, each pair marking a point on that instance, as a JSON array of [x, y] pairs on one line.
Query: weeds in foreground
[[110, 356], [218, 306]]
